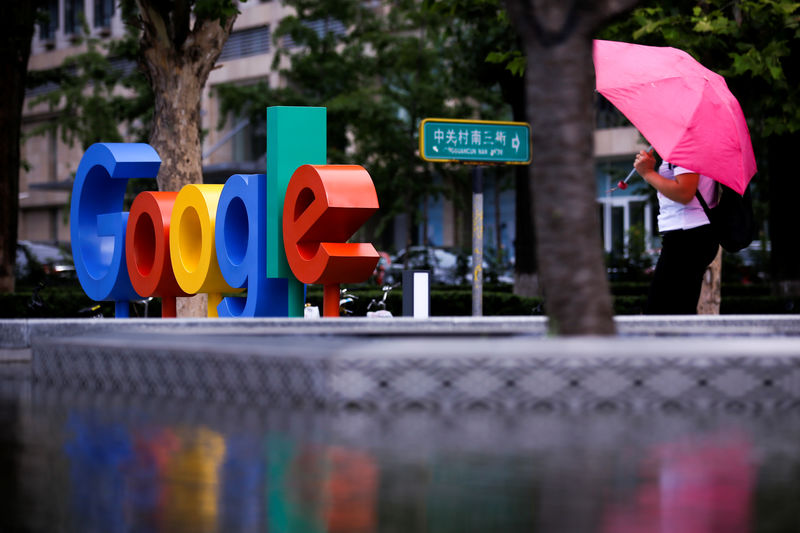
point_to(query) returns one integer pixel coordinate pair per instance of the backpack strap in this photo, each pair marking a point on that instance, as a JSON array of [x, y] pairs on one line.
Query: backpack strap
[[703, 203], [699, 196], [702, 200]]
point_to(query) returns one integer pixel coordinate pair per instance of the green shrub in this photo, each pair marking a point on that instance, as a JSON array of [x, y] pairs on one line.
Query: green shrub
[[629, 288], [64, 302], [758, 305], [444, 302], [51, 303], [629, 305], [629, 299], [358, 307], [741, 289]]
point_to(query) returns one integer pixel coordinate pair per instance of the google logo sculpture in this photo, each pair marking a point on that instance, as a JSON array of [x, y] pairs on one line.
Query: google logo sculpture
[[268, 234]]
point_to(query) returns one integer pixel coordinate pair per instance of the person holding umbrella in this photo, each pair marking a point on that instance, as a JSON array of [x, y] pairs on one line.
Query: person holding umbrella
[[688, 244], [689, 115]]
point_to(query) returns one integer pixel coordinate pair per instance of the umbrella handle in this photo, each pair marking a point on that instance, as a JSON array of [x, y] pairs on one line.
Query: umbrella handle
[[633, 170], [624, 183], [629, 176]]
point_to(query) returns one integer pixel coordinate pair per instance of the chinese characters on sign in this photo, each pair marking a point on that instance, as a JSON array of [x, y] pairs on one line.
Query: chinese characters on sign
[[475, 141]]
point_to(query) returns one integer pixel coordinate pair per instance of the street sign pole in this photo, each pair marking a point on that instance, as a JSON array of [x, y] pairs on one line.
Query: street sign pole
[[477, 241], [475, 142]]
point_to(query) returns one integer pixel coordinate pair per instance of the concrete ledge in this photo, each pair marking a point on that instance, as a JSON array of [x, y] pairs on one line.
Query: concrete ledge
[[17, 333], [710, 325]]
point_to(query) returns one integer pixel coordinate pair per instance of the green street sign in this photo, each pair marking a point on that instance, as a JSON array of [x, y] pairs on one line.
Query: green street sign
[[475, 141]]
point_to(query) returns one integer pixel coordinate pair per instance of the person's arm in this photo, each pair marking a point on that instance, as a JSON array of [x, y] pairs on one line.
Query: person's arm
[[680, 190]]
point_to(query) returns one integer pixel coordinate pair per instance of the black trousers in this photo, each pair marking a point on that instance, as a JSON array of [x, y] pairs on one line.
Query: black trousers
[[678, 278]]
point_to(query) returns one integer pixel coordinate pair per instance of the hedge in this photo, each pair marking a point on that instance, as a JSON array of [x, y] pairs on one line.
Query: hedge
[[64, 302], [70, 301]]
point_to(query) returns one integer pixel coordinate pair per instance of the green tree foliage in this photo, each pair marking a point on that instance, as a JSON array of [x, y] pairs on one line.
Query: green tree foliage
[[328, 65], [413, 79], [102, 94], [100, 97], [490, 63], [379, 68]]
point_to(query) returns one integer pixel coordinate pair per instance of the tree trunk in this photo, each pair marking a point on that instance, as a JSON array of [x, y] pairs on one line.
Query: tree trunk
[[564, 199], [176, 138], [17, 32], [711, 293], [176, 134], [177, 63], [560, 84]]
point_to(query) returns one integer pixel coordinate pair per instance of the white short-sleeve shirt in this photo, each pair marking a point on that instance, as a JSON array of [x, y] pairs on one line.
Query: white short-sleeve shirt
[[674, 215]]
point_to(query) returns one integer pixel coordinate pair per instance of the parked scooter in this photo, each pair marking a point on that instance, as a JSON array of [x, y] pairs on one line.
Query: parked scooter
[[345, 298], [377, 307]]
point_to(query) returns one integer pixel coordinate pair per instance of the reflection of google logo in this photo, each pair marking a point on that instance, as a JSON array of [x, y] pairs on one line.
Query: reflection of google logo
[[252, 233]]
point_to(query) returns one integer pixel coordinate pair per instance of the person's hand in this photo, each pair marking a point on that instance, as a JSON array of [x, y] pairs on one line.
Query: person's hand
[[645, 163]]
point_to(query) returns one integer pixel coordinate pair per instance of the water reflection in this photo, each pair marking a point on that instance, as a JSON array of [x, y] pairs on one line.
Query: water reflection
[[701, 484], [317, 488], [96, 455], [81, 462], [153, 448], [149, 477]]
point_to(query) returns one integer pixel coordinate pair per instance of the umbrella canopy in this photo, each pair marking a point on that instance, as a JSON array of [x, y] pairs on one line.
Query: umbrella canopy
[[683, 109]]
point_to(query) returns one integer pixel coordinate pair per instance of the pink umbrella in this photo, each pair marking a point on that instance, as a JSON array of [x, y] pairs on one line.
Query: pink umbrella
[[683, 109]]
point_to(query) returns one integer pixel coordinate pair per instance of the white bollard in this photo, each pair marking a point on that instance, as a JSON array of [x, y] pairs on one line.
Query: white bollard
[[417, 293]]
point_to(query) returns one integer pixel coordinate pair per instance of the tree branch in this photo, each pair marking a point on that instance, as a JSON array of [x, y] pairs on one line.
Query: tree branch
[[607, 9], [204, 44], [181, 17], [154, 25], [551, 22]]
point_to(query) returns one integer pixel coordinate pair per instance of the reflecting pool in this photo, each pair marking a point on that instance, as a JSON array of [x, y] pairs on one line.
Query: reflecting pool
[[79, 460]]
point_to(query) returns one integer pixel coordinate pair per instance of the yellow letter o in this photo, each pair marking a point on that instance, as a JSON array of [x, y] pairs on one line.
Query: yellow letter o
[[192, 246]]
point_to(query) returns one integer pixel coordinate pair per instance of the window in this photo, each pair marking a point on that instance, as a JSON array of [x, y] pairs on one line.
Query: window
[[244, 43], [103, 11], [73, 16], [250, 142], [52, 156], [48, 27], [626, 216], [321, 27]]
